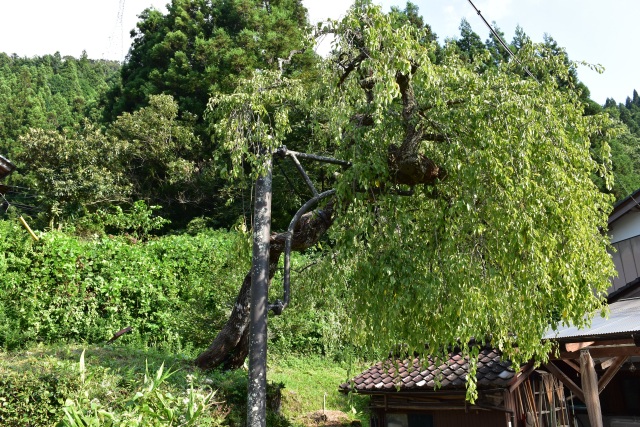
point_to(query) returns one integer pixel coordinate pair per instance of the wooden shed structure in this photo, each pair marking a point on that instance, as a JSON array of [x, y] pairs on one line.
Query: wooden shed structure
[[403, 394], [600, 366]]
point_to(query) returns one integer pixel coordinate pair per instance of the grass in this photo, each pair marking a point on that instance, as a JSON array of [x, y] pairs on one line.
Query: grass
[[311, 384], [35, 384], [38, 383]]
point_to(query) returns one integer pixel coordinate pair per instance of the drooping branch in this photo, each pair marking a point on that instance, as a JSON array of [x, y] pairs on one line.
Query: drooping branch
[[406, 165]]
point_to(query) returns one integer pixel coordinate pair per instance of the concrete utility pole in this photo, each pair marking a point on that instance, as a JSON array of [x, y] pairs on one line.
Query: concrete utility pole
[[257, 387]]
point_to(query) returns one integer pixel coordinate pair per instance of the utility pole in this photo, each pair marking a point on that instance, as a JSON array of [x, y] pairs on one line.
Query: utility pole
[[257, 386]]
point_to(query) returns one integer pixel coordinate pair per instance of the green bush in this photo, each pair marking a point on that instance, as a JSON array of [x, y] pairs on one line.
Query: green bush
[[152, 405], [172, 290], [34, 395]]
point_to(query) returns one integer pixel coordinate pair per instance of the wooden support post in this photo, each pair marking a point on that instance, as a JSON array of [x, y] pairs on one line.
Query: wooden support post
[[590, 388], [510, 407]]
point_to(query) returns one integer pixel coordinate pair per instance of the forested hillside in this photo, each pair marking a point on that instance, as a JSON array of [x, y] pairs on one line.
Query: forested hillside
[[92, 134], [50, 92], [625, 150], [470, 176]]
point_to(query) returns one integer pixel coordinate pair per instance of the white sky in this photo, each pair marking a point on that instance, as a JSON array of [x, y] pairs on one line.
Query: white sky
[[591, 30]]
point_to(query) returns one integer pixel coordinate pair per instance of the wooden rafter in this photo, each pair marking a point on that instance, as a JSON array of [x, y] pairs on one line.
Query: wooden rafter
[[610, 372], [573, 365], [558, 373], [521, 376]]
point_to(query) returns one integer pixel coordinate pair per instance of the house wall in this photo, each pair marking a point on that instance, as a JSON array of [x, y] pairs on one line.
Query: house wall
[[626, 259], [625, 227], [437, 409], [442, 418]]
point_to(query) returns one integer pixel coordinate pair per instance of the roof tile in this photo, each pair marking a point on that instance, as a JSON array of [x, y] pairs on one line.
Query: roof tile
[[416, 375]]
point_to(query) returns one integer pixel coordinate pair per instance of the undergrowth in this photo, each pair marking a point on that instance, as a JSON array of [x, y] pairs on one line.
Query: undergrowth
[[122, 385]]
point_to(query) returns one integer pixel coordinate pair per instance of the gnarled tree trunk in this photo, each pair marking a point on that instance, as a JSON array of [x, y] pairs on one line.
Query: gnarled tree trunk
[[230, 347]]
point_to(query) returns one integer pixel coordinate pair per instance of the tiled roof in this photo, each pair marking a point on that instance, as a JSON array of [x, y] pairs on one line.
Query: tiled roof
[[415, 376]]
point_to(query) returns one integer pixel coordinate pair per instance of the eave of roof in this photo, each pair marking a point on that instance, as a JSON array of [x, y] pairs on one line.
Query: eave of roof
[[624, 206], [623, 321], [413, 375]]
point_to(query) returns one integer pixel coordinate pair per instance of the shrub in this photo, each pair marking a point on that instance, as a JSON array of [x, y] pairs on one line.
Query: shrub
[[152, 405], [34, 393], [172, 290]]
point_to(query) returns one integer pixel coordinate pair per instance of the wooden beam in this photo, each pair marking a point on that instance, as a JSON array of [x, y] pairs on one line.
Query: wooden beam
[[557, 372], [575, 346], [417, 407], [599, 343], [572, 364], [610, 372], [524, 374], [590, 388], [602, 352], [606, 363]]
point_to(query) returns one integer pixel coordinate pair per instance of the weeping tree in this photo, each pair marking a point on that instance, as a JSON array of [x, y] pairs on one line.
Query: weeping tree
[[468, 213]]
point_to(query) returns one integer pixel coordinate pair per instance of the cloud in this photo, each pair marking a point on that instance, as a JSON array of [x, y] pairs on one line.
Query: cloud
[[321, 10]]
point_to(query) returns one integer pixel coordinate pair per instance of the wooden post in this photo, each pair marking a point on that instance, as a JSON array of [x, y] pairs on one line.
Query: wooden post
[[590, 388], [510, 407]]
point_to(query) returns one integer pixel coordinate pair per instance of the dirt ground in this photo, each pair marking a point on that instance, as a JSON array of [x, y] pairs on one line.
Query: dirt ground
[[328, 419]]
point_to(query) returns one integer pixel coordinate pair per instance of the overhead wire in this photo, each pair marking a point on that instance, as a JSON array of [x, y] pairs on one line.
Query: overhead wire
[[502, 43], [21, 206]]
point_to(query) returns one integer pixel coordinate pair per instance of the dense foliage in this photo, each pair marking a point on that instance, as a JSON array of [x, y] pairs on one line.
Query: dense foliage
[[172, 291], [202, 47], [501, 240], [501, 237], [142, 156], [49, 92], [625, 149]]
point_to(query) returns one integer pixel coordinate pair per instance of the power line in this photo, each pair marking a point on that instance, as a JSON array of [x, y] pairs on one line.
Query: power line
[[502, 43], [116, 39]]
